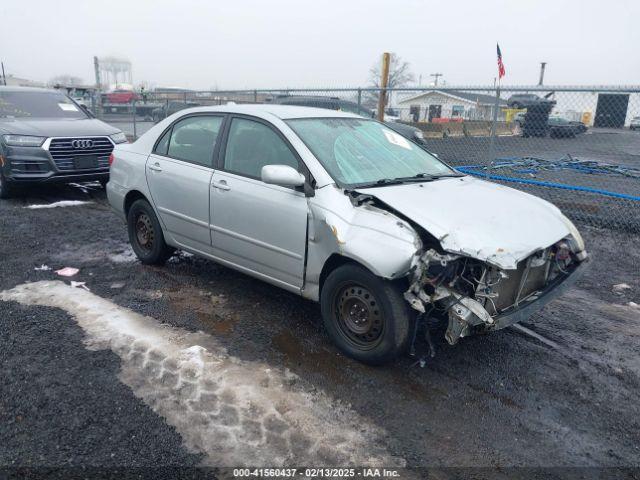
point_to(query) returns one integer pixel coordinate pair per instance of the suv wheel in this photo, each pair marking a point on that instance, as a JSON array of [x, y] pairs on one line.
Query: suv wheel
[[145, 234], [6, 189], [365, 316]]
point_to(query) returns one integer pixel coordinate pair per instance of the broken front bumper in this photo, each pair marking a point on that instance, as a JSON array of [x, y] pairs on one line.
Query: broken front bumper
[[467, 316], [539, 300]]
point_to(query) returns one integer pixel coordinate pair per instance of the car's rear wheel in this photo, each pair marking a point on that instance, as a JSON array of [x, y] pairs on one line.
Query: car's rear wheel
[[145, 234], [365, 316]]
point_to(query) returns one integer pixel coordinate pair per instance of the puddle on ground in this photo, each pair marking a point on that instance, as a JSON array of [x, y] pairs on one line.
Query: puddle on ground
[[114, 251], [238, 413]]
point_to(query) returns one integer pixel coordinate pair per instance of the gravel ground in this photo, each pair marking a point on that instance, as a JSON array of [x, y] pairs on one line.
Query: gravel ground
[[502, 400]]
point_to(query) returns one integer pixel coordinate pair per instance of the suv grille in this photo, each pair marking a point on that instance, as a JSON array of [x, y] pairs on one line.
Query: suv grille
[[85, 153]]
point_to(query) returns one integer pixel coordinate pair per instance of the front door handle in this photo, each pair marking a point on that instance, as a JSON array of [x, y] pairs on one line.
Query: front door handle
[[221, 185], [155, 167]]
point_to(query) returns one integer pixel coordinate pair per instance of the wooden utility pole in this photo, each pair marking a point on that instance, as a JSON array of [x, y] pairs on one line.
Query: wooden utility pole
[[98, 105], [435, 76], [384, 81]]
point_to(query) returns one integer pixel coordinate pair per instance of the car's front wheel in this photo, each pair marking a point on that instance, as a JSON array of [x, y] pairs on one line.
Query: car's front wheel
[[365, 316], [145, 234], [6, 189]]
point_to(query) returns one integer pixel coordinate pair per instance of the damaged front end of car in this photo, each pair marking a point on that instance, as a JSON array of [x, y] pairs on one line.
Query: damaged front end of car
[[476, 296]]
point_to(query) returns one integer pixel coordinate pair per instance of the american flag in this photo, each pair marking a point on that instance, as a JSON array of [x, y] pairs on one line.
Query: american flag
[[501, 70]]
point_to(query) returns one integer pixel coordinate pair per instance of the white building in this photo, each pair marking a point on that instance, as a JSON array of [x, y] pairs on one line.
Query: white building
[[600, 107], [467, 105], [597, 108]]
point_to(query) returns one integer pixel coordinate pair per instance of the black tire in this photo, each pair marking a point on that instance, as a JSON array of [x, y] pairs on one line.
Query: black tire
[[365, 316], [145, 234], [6, 189]]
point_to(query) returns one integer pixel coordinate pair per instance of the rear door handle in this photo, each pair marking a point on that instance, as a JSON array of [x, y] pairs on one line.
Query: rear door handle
[[155, 167], [222, 185]]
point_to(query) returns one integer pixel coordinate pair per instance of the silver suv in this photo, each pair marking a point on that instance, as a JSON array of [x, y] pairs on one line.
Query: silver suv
[[342, 210]]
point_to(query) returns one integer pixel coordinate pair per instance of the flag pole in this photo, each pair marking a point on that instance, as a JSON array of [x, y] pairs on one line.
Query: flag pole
[[492, 139]]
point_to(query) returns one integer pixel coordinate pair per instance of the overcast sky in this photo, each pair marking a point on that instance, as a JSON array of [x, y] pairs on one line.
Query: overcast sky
[[285, 43]]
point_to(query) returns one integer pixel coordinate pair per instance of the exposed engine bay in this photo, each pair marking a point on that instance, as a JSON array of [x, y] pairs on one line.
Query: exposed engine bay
[[472, 295]]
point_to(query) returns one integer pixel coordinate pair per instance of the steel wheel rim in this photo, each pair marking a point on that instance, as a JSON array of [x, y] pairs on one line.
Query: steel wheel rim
[[144, 232], [359, 316]]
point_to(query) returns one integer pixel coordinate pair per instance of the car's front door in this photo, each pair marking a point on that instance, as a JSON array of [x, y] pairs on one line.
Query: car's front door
[[258, 227], [179, 176]]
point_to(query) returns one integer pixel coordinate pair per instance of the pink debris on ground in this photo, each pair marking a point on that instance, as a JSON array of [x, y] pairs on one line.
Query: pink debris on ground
[[67, 271]]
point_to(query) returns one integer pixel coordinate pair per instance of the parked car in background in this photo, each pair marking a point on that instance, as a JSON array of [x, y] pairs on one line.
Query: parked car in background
[[344, 211], [524, 100], [170, 108], [335, 103], [635, 123], [121, 96], [560, 127], [330, 103], [47, 137]]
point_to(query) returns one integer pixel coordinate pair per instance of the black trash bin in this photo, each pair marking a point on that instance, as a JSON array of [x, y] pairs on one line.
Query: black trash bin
[[536, 120]]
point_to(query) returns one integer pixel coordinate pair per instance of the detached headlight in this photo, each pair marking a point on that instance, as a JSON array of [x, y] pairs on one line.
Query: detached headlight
[[23, 140], [119, 137]]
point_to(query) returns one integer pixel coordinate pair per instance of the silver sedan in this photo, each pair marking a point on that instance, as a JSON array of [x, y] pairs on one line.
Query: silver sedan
[[343, 211]]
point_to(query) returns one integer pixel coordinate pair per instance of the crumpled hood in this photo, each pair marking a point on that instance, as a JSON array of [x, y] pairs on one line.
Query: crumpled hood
[[478, 219], [59, 127]]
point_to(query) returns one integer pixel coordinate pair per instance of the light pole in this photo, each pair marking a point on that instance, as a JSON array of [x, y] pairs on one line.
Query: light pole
[[436, 76]]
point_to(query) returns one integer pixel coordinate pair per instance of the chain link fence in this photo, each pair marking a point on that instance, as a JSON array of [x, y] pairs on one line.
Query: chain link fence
[[578, 147]]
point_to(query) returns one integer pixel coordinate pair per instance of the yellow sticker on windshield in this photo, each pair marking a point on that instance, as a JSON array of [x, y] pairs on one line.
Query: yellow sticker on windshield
[[396, 139]]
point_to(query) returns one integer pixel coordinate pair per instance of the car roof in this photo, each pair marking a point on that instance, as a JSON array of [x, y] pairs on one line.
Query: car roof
[[27, 89], [266, 110]]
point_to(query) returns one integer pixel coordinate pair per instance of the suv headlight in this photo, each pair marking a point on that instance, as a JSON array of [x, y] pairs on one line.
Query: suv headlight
[[119, 137], [23, 140], [418, 134]]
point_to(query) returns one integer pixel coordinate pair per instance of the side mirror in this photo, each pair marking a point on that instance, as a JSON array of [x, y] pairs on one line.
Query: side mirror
[[282, 175]]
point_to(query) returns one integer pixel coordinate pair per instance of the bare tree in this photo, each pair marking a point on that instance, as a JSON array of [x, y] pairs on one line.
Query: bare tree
[[400, 75]]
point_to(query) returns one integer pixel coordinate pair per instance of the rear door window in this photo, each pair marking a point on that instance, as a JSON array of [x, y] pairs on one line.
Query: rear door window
[[193, 139]]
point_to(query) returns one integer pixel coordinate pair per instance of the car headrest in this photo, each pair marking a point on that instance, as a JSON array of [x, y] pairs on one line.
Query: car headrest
[[194, 136]]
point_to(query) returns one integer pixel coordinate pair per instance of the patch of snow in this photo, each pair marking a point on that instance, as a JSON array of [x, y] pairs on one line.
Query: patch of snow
[[80, 285], [126, 255], [62, 203], [42, 268], [236, 412], [180, 255], [621, 286]]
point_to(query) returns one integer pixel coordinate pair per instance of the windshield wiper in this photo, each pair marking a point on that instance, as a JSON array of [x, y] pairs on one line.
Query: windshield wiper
[[380, 183]]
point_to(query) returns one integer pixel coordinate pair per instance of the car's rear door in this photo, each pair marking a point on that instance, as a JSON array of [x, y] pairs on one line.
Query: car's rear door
[[258, 227], [179, 176]]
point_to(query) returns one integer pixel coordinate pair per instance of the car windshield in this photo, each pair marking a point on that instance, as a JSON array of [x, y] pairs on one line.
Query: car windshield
[[358, 152], [16, 104]]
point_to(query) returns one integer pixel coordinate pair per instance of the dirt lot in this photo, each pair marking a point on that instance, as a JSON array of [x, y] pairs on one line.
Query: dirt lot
[[89, 378]]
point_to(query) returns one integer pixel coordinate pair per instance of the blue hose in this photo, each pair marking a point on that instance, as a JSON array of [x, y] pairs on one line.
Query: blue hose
[[471, 170]]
